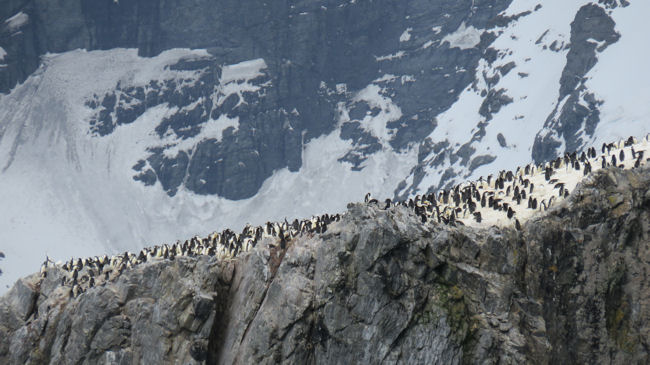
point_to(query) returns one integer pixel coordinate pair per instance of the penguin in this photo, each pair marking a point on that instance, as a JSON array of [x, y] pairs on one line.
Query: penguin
[[517, 224], [477, 217], [621, 156], [44, 267], [283, 241]]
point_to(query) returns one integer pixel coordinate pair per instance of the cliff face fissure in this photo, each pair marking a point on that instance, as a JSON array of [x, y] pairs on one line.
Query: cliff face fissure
[[378, 287]]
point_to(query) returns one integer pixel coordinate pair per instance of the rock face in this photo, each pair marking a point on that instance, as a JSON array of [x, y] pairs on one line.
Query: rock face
[[379, 286], [318, 54]]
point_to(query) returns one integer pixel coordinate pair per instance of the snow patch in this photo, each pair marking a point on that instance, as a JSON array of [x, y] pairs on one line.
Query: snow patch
[[212, 129], [247, 70], [406, 36], [3, 53], [534, 97], [17, 21], [427, 44], [464, 37], [619, 78], [393, 56], [237, 79], [376, 125]]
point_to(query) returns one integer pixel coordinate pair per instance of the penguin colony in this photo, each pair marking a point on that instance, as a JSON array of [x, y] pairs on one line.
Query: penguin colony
[[506, 199], [510, 198], [85, 273]]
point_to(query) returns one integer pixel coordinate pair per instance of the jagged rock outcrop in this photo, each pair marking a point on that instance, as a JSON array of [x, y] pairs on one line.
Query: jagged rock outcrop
[[379, 286]]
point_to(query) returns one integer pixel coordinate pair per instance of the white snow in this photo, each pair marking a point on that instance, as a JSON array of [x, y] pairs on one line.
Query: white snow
[[464, 37], [376, 125], [67, 193], [212, 129], [398, 54], [406, 36], [621, 80], [237, 79], [17, 21], [72, 194], [534, 97], [246, 70]]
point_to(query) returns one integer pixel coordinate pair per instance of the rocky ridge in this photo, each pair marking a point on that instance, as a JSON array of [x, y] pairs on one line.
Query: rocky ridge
[[378, 286]]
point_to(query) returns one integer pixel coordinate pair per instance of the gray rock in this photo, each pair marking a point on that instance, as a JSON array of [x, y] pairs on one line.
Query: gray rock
[[305, 44], [378, 286]]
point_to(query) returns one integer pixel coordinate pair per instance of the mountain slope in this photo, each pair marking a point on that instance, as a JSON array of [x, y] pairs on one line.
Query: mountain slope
[[295, 111]]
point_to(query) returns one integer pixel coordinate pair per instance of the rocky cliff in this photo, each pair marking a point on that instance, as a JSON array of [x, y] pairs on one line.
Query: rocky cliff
[[378, 287], [141, 114]]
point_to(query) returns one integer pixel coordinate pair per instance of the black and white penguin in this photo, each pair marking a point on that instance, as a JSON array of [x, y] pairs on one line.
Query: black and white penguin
[[477, 217]]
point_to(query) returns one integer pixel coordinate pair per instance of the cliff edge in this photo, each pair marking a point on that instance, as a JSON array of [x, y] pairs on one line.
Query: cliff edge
[[378, 287]]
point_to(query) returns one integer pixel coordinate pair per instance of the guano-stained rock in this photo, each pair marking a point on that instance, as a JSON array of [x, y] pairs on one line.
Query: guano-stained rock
[[378, 287]]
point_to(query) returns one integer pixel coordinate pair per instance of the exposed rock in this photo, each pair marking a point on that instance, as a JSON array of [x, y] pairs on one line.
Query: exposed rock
[[378, 286], [305, 44], [592, 31]]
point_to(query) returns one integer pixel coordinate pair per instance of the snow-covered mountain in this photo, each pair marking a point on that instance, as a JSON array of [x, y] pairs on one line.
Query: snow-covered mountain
[[139, 122]]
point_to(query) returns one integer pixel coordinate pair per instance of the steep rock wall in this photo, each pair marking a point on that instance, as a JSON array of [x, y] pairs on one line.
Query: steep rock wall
[[379, 286]]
